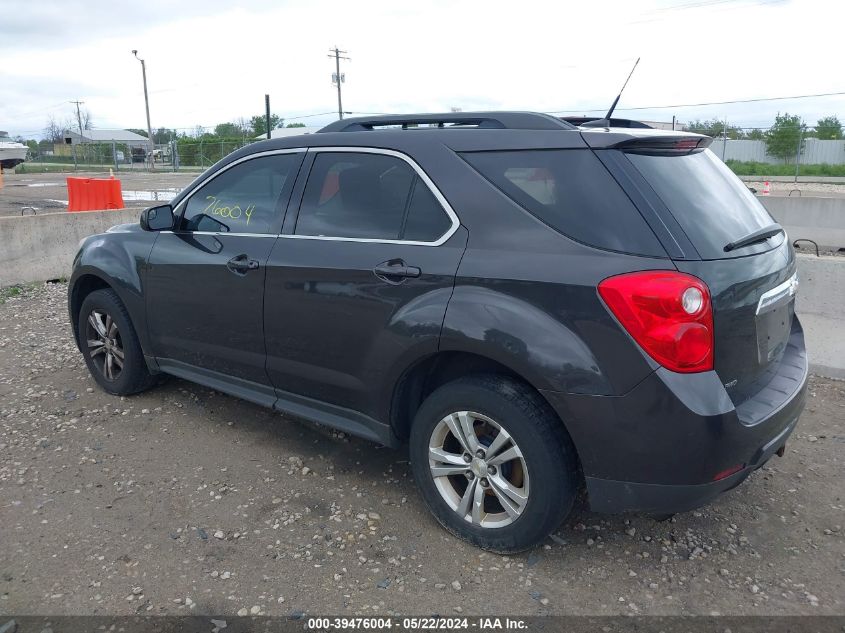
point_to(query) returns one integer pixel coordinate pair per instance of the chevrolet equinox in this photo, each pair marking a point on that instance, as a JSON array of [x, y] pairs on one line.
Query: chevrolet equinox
[[533, 308]]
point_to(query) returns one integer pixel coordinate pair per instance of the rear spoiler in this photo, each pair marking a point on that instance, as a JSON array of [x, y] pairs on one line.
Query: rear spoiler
[[665, 145], [649, 141]]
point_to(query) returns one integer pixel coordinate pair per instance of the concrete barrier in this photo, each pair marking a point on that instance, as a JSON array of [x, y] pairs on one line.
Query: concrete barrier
[[37, 248], [819, 219], [821, 287], [821, 307], [41, 247]]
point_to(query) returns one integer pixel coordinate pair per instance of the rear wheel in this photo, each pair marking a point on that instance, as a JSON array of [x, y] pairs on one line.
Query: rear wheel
[[110, 346], [493, 463]]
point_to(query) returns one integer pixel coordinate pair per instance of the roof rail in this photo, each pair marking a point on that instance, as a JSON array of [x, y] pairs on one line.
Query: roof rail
[[488, 120]]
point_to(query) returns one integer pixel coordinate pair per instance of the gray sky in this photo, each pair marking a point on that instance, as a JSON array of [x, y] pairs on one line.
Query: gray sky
[[211, 61]]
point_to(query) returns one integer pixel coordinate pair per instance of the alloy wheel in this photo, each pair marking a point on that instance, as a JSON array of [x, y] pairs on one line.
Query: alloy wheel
[[104, 344], [478, 469]]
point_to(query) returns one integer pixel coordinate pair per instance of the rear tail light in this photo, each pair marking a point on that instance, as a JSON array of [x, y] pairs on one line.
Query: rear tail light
[[667, 313]]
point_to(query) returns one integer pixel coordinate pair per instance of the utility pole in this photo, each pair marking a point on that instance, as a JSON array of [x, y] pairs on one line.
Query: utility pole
[[798, 152], [267, 114], [147, 105], [338, 78], [78, 116], [79, 121]]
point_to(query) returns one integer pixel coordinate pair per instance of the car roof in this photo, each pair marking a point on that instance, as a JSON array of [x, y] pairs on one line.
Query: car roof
[[464, 131]]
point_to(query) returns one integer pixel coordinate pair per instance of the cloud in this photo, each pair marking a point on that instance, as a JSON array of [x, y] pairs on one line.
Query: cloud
[[211, 61], [57, 24]]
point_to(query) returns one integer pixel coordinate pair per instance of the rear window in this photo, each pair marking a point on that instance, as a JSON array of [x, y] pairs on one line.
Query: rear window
[[572, 192], [711, 204]]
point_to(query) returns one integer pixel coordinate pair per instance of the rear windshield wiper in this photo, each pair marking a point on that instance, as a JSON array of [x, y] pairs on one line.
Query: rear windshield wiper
[[757, 236]]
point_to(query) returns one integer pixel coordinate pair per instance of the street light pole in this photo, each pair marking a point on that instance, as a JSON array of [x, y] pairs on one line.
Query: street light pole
[[147, 105]]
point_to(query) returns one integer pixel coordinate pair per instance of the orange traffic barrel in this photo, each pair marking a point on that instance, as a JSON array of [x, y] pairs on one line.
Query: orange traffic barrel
[[94, 194]]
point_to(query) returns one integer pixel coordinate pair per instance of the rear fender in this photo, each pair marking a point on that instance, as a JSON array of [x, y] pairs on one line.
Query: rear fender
[[536, 345]]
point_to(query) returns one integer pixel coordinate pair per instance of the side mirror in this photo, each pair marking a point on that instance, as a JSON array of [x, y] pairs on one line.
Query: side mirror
[[157, 218]]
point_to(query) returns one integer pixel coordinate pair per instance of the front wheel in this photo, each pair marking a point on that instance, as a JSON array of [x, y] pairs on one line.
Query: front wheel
[[494, 464], [110, 346]]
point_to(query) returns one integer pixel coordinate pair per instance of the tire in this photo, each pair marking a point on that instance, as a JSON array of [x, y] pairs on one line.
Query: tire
[[105, 332], [541, 473]]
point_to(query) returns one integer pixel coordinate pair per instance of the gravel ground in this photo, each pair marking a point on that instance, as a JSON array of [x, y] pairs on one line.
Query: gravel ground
[[183, 500], [818, 189]]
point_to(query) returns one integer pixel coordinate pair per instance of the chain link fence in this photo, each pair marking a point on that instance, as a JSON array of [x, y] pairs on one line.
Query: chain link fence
[[184, 154]]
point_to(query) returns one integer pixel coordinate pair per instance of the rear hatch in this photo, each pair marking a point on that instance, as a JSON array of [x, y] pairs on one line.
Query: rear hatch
[[719, 232]]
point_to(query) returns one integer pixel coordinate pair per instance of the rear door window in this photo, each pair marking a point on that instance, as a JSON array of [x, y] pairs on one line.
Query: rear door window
[[710, 203], [572, 192], [369, 196]]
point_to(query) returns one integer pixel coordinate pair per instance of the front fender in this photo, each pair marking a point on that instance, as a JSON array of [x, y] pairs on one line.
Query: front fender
[[118, 259]]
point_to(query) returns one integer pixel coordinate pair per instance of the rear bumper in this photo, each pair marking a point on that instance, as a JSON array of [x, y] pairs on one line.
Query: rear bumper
[[664, 446], [623, 496]]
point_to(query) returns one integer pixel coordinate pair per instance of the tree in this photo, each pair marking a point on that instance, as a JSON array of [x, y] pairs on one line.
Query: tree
[[783, 137], [228, 130], [756, 134], [258, 124], [829, 129], [714, 127], [32, 144], [244, 125], [162, 135], [295, 125], [54, 131], [87, 120]]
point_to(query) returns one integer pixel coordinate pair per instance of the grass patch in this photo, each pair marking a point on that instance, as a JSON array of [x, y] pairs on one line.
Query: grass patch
[[17, 290], [8, 292], [753, 168]]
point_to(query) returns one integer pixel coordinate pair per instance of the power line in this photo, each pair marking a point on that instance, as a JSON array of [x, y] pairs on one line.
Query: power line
[[308, 116], [657, 15], [707, 103], [45, 109]]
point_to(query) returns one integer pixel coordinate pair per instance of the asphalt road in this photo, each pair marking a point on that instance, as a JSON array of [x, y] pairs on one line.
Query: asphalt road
[[182, 500], [32, 193]]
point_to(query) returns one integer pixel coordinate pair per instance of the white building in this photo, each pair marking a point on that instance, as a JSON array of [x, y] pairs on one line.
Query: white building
[[105, 136]]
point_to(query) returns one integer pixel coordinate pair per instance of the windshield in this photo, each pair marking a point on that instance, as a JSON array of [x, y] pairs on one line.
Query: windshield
[[711, 204]]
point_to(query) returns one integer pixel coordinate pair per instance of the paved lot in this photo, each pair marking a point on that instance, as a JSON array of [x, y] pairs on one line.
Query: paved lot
[[183, 500], [47, 193]]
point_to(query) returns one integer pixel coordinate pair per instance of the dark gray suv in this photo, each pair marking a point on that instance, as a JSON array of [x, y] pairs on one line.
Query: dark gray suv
[[532, 307]]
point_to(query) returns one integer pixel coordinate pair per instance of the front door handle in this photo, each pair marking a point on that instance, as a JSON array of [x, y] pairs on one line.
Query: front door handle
[[396, 271], [241, 264]]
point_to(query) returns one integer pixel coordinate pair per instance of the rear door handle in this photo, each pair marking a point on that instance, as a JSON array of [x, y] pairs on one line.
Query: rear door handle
[[396, 271], [241, 264]]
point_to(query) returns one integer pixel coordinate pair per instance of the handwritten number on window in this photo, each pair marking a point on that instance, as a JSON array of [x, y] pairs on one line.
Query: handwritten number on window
[[234, 212]]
